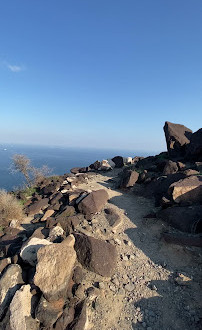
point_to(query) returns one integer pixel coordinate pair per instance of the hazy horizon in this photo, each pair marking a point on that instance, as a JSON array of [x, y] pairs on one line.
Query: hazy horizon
[[99, 74]]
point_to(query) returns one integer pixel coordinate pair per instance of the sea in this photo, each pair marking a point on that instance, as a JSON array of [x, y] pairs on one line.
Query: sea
[[59, 159]]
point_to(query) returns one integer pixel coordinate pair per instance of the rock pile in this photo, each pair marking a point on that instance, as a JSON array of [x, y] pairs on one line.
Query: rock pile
[[41, 271]]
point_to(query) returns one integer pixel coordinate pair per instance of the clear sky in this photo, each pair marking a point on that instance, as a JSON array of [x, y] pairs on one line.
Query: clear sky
[[99, 73]]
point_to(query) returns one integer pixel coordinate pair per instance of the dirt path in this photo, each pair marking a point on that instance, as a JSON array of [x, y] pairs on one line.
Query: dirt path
[[144, 293]]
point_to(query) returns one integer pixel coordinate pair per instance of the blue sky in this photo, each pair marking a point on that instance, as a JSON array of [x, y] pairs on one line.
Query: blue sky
[[99, 73]]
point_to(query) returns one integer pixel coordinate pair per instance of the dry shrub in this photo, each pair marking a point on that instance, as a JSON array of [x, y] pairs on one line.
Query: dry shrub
[[10, 208]]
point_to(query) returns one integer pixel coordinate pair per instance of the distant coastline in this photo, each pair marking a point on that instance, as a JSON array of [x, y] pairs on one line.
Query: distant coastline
[[60, 159]]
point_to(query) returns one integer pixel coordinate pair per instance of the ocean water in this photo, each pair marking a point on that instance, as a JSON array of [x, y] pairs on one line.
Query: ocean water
[[59, 159]]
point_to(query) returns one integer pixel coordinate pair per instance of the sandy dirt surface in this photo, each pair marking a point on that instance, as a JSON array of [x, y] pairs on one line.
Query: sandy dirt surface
[[146, 291]]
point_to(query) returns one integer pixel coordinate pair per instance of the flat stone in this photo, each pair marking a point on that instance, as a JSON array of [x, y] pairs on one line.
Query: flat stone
[[47, 214]]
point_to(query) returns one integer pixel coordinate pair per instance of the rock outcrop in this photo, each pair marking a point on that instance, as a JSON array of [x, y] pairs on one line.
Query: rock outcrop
[[177, 137]]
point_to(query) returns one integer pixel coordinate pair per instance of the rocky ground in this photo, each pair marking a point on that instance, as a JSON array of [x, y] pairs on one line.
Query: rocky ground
[[92, 253]]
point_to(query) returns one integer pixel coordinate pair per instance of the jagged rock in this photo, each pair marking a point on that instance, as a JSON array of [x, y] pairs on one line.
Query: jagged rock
[[190, 172], [36, 207], [21, 310], [177, 137], [118, 161], [56, 198], [170, 168], [96, 255], [67, 212], [29, 250], [93, 203], [74, 195], [48, 312], [184, 218], [55, 233], [47, 214], [199, 166], [54, 268], [10, 282], [96, 165], [66, 318], [162, 184], [187, 190], [69, 224], [4, 263], [80, 321], [194, 149], [75, 170], [105, 166], [111, 163], [77, 275], [40, 232], [113, 217], [127, 160], [129, 178], [51, 188]]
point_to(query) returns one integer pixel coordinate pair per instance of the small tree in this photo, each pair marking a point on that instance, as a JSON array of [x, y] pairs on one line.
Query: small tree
[[32, 174], [22, 164]]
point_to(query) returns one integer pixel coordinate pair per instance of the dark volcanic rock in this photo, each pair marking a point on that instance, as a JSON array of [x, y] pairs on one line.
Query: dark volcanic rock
[[93, 203], [129, 178], [177, 137], [37, 206], [118, 161], [184, 218], [162, 184], [194, 149], [96, 255], [51, 188], [170, 168]]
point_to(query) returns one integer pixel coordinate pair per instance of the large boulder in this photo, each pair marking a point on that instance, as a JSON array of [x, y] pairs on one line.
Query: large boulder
[[194, 149], [184, 218], [118, 161], [54, 268], [188, 190], [93, 203], [177, 137], [96, 255], [10, 282], [21, 310]]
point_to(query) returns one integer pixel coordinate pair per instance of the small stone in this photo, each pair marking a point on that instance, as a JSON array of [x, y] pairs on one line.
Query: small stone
[[101, 285], [129, 287], [112, 288], [117, 241]]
